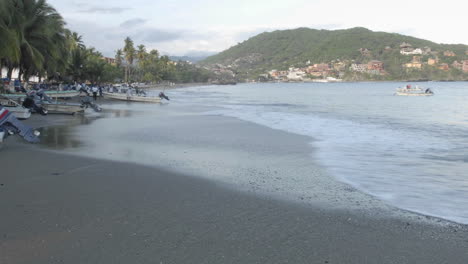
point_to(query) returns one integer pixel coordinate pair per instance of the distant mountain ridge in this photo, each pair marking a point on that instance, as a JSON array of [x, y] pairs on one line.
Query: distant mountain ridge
[[283, 49]]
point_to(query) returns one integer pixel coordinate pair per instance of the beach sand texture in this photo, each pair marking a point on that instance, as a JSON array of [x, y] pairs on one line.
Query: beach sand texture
[[60, 208]]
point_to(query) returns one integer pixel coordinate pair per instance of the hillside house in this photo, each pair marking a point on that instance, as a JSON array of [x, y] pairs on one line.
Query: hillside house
[[444, 67], [465, 66], [365, 52], [457, 65], [375, 67], [405, 45], [296, 74], [109, 60], [426, 50], [317, 70], [358, 67], [417, 51], [339, 66], [415, 63], [432, 61], [449, 53]]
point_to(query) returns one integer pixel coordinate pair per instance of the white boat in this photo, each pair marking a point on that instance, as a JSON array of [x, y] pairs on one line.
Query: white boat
[[413, 91], [18, 110], [62, 108], [414, 94], [51, 94], [132, 97], [62, 94]]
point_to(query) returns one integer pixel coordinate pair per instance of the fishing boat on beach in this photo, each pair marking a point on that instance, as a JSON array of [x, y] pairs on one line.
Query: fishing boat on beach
[[62, 94], [132, 97], [62, 108], [15, 108]]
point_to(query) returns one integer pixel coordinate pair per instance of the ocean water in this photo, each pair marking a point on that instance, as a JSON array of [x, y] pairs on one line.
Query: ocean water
[[411, 152]]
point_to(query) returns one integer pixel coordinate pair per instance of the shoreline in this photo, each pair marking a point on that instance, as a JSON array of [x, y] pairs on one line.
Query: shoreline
[[82, 210], [74, 209], [366, 202]]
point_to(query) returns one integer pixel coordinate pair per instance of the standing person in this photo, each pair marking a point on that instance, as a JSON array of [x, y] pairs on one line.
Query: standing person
[[95, 91], [100, 91]]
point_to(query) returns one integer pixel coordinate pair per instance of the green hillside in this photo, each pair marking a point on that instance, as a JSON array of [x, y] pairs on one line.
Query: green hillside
[[285, 48]]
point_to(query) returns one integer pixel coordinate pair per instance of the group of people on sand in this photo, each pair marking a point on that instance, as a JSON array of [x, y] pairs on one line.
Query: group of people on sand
[[88, 89]]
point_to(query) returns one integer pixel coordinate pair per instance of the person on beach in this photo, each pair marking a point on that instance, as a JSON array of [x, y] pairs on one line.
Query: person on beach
[[95, 91]]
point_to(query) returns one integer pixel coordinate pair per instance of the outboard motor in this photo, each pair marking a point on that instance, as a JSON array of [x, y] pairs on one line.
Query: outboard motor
[[9, 125], [31, 104], [88, 102], [163, 96], [43, 96]]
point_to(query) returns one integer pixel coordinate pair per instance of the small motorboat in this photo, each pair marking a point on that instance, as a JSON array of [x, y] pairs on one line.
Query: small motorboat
[[15, 108], [414, 91]]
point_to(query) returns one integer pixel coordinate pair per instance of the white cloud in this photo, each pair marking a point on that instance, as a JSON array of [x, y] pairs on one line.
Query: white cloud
[[177, 27]]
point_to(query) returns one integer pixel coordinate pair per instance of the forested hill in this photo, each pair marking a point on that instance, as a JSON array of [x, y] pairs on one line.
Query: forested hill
[[285, 48]]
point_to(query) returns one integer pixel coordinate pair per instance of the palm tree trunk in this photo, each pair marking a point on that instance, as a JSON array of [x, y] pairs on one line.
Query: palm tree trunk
[[20, 72], [10, 71]]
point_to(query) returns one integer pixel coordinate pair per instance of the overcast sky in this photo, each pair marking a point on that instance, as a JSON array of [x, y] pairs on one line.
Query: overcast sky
[[179, 27]]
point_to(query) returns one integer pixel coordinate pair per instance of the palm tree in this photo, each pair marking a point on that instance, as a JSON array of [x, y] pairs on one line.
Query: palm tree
[[118, 57], [9, 45], [141, 55], [39, 35], [129, 51]]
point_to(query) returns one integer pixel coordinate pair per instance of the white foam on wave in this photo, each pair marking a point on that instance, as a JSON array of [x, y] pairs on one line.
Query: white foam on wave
[[383, 161]]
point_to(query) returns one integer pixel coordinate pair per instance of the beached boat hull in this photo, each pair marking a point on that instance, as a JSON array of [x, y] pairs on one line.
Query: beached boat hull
[[19, 112], [413, 94], [132, 98], [51, 94], [62, 108], [62, 94]]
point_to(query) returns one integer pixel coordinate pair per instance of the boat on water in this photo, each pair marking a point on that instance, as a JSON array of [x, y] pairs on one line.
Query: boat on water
[[413, 91], [130, 97]]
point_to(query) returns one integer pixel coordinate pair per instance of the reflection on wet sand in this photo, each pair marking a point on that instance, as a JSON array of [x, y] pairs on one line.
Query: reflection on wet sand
[[65, 136]]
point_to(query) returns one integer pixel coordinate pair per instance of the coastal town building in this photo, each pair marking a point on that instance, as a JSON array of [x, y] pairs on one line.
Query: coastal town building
[[109, 60], [358, 67], [296, 74], [432, 61], [415, 63], [339, 66], [444, 67], [457, 65], [407, 49], [365, 52], [426, 50], [417, 51], [449, 53], [465, 66]]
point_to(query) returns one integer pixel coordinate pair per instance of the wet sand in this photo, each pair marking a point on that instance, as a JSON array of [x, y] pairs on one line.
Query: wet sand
[[59, 208]]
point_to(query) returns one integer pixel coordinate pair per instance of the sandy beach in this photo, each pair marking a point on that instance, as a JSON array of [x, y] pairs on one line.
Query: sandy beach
[[62, 208]]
